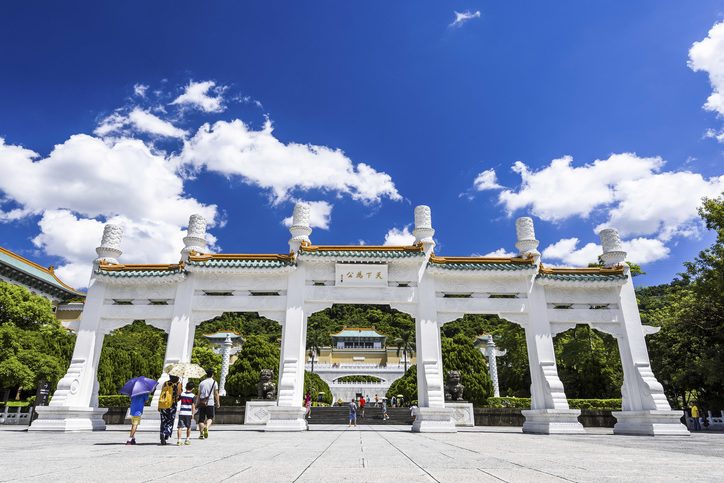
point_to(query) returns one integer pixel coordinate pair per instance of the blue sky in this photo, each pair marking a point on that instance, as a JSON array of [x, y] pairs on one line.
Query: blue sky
[[145, 112]]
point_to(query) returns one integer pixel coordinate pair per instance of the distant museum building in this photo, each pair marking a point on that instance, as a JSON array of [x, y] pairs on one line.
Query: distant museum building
[[359, 351], [67, 301]]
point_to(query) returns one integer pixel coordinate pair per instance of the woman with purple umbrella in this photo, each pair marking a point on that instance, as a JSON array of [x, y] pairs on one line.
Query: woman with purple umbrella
[[138, 389]]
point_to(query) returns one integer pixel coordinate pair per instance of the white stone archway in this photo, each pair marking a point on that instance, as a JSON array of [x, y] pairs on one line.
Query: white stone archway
[[412, 279]]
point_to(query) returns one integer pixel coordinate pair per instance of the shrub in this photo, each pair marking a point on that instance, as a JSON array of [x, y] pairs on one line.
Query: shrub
[[524, 403], [115, 401]]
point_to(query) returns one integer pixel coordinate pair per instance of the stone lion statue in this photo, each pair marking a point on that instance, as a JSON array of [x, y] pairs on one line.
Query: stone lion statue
[[453, 388], [266, 389]]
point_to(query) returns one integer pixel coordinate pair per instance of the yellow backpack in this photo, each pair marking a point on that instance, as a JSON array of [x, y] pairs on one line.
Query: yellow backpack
[[166, 399]]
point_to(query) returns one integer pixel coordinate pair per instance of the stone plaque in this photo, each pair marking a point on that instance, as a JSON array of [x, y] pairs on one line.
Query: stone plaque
[[360, 275]]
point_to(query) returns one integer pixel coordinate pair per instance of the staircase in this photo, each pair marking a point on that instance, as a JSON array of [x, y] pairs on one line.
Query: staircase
[[373, 415]]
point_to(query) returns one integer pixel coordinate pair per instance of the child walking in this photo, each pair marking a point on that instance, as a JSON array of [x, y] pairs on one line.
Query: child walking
[[186, 412]]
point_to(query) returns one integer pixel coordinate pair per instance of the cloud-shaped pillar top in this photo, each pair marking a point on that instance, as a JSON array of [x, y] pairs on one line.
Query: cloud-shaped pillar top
[[195, 239], [613, 253], [525, 233], [110, 248], [424, 231], [300, 229]]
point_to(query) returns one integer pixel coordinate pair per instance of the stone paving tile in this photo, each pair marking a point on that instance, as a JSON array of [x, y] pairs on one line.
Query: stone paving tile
[[364, 454]]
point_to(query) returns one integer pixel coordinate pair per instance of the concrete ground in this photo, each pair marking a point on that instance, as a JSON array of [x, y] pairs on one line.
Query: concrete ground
[[365, 454]]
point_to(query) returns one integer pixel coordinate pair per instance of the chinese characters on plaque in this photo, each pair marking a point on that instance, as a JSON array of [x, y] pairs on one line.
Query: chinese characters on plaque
[[360, 275]]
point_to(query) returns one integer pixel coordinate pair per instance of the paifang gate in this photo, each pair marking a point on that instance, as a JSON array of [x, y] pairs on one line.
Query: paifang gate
[[412, 279]]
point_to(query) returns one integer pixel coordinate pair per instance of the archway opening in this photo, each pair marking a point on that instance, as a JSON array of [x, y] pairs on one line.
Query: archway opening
[[588, 364], [136, 349], [359, 350]]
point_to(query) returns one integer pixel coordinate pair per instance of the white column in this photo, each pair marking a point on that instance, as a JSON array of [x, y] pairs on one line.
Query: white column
[[288, 415], [179, 345], [433, 416], [73, 406], [225, 357], [646, 410], [549, 413], [492, 353]]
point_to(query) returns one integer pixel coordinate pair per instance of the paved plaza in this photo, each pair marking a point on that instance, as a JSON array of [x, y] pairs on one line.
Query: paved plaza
[[364, 454]]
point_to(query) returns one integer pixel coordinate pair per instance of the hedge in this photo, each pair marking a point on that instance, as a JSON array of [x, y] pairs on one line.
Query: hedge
[[114, 401], [524, 403]]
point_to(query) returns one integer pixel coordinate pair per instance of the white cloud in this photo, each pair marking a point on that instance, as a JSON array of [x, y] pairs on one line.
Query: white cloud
[[638, 250], [500, 252], [629, 186], [320, 215], [462, 17], [205, 96], [140, 90], [85, 180], [234, 149], [144, 121], [397, 237], [486, 180], [137, 121], [708, 55]]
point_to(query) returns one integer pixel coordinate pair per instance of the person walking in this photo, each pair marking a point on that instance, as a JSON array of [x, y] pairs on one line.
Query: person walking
[[170, 392], [207, 401], [385, 416], [137, 404], [352, 414], [377, 400], [186, 412], [308, 405], [362, 404], [393, 402], [695, 417]]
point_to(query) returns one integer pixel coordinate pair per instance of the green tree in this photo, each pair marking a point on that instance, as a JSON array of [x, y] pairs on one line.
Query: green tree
[[406, 345], [314, 385], [406, 385], [206, 357], [22, 308], [33, 344], [257, 354], [588, 363], [134, 350]]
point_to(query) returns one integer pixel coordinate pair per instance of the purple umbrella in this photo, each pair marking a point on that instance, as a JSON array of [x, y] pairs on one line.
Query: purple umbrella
[[139, 385]]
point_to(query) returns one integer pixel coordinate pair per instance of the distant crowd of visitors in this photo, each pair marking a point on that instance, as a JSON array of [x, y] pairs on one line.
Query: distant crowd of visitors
[[175, 398]]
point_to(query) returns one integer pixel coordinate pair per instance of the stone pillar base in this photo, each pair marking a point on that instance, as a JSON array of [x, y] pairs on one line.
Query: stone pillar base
[[68, 419], [463, 414], [434, 420], [257, 412], [552, 421], [285, 418], [649, 423]]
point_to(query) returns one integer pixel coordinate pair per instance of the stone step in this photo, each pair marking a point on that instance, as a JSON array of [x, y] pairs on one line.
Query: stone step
[[340, 415]]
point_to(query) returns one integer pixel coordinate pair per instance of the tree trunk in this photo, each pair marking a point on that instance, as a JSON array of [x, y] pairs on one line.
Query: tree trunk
[[405, 354], [6, 396], [312, 362]]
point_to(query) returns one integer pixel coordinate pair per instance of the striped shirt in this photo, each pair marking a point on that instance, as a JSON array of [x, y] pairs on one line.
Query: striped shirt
[[187, 401]]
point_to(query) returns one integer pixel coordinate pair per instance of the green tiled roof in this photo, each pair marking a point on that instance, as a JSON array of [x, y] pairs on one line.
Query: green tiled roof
[[364, 253], [240, 263], [358, 333], [505, 266], [582, 277], [139, 273]]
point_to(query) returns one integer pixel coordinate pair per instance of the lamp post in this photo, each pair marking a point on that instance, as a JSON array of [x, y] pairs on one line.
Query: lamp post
[[226, 344], [487, 347]]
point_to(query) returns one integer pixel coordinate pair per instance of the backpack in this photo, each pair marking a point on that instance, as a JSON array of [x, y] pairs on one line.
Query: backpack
[[166, 399]]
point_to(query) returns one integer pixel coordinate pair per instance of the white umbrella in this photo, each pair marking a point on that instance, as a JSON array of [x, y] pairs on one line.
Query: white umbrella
[[185, 369]]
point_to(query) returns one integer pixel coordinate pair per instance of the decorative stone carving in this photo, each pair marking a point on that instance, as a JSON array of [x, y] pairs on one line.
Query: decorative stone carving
[[300, 229], [110, 248], [195, 239], [423, 225], [454, 389], [613, 253], [525, 233], [266, 389]]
